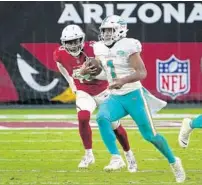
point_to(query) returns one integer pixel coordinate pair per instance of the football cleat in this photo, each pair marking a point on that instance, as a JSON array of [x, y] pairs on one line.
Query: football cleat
[[131, 162], [116, 163], [178, 170], [185, 132], [86, 161]]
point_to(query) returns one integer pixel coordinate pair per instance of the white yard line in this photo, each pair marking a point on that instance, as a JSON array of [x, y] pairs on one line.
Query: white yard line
[[72, 150], [73, 128], [44, 141], [43, 132], [73, 116]]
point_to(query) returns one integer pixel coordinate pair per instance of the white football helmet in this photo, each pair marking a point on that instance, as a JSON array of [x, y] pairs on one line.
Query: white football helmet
[[112, 29], [72, 39]]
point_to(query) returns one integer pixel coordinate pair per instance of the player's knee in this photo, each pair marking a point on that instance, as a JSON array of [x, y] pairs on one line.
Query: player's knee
[[149, 137], [154, 139], [84, 116], [106, 131], [101, 117], [115, 124]]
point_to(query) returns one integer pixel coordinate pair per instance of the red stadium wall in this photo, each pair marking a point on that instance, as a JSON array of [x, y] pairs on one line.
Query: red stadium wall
[[191, 52]]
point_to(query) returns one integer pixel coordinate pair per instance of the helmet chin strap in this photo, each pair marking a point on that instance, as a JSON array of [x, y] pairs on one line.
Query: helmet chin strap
[[109, 43], [74, 54]]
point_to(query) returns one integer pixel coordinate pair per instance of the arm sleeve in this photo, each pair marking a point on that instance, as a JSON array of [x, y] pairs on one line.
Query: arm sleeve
[[66, 75], [56, 56], [96, 49], [134, 46]]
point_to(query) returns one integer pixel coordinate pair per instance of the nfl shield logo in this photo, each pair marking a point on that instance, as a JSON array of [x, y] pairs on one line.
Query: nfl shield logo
[[173, 76]]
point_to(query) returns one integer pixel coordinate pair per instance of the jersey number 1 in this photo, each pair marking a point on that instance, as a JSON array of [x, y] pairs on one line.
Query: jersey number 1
[[112, 69]]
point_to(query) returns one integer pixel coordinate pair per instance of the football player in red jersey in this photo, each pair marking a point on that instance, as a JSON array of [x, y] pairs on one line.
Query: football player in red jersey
[[70, 57]]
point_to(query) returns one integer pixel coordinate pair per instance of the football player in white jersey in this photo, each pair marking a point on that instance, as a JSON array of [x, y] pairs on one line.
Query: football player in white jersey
[[120, 58], [187, 127]]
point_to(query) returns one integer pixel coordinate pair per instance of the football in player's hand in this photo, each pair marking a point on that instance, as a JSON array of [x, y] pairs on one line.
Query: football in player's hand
[[96, 66]]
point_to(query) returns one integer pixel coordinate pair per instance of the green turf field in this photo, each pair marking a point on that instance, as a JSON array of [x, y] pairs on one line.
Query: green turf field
[[51, 157], [70, 114], [73, 111]]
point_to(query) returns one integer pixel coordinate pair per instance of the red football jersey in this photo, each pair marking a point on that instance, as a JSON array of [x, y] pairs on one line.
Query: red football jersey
[[71, 63]]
